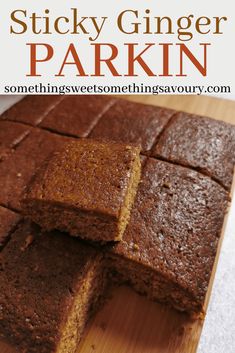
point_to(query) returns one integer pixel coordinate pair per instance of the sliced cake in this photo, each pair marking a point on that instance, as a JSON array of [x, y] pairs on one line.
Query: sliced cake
[[87, 189]]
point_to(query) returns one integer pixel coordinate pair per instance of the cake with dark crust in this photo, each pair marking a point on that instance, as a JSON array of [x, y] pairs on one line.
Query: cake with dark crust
[[132, 123], [17, 171], [11, 135], [86, 189], [50, 285], [32, 109], [8, 221], [49, 281], [201, 143], [170, 243], [77, 115]]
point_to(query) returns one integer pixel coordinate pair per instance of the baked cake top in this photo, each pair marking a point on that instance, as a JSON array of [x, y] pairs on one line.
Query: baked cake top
[[32, 109], [8, 221], [205, 144], [131, 122], [40, 275], [77, 115], [175, 225], [88, 175], [17, 171], [11, 135]]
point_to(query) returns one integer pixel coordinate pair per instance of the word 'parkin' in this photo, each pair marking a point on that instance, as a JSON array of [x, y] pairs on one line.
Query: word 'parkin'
[[136, 61]]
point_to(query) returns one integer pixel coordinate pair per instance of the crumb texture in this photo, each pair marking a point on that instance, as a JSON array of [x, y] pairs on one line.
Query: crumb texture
[[32, 109], [17, 171], [87, 189], [77, 115], [173, 232], [11, 135], [8, 221], [51, 283], [132, 123], [55, 275], [201, 143]]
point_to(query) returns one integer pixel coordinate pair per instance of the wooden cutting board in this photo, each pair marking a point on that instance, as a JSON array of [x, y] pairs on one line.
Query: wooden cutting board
[[129, 323]]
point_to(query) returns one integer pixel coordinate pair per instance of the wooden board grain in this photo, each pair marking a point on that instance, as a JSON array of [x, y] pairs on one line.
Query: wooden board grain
[[129, 323], [221, 109]]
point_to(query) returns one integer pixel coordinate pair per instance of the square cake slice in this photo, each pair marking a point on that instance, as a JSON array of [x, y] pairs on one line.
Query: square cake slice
[[77, 115], [50, 286], [131, 122], [32, 109], [204, 144], [11, 135], [87, 189], [170, 243], [17, 171], [8, 221]]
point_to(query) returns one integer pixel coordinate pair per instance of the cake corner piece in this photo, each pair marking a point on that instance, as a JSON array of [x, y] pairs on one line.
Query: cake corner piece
[[170, 244], [59, 284], [86, 189]]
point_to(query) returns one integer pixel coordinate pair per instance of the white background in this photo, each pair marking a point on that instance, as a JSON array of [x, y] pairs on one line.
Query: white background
[[14, 59]]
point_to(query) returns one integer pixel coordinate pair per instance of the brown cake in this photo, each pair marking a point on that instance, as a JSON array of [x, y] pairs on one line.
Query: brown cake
[[170, 243], [51, 282], [11, 135], [16, 171], [86, 189], [132, 123], [201, 143], [8, 222], [50, 285], [32, 109], [77, 115]]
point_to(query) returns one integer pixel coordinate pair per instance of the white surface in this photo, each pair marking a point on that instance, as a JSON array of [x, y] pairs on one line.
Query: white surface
[[218, 335], [7, 101], [224, 96]]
